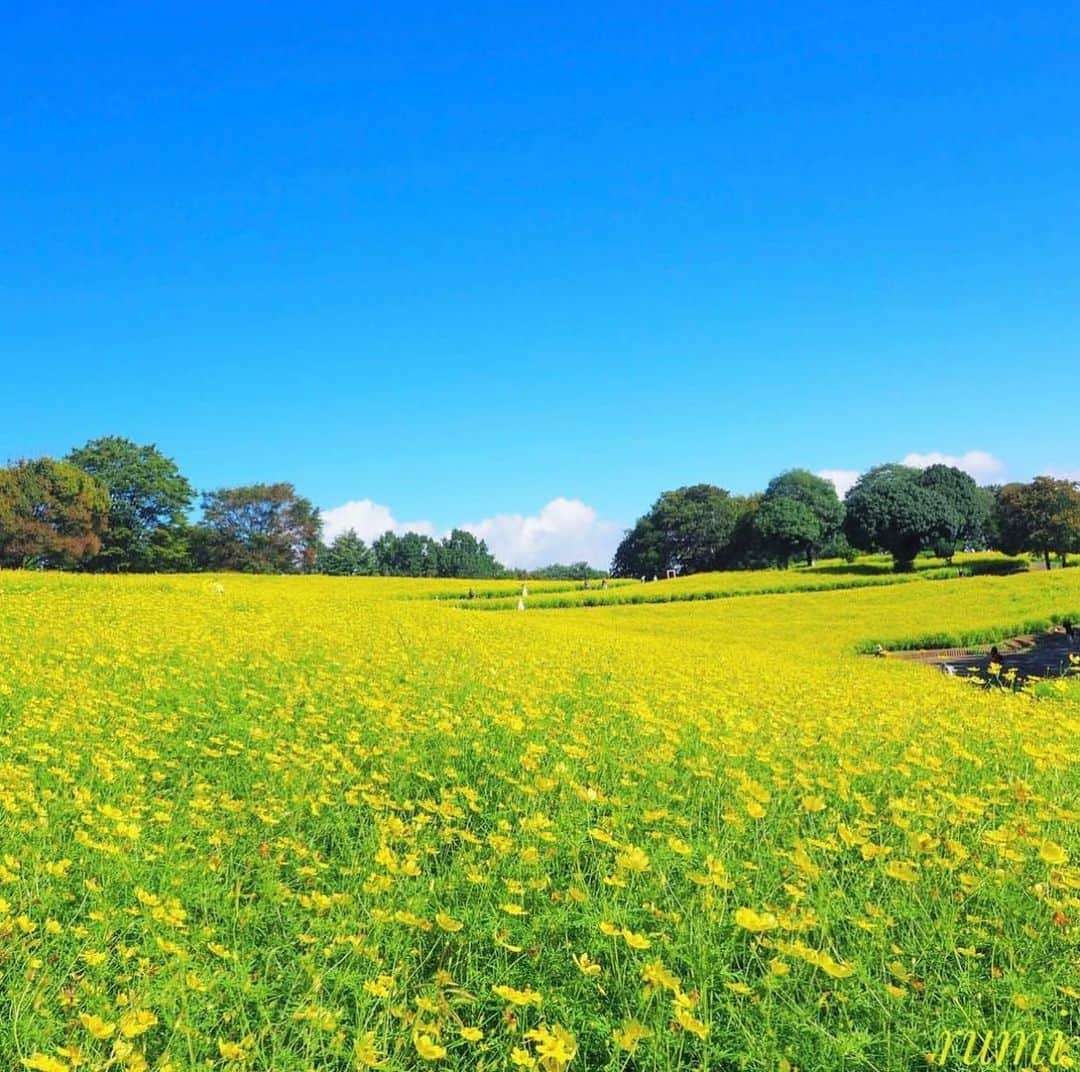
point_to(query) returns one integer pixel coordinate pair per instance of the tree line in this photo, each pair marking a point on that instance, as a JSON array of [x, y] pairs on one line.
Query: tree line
[[896, 509], [114, 506]]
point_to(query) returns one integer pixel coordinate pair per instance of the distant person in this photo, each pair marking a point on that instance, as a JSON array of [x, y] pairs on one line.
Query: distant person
[[995, 658], [472, 593], [524, 592], [603, 584]]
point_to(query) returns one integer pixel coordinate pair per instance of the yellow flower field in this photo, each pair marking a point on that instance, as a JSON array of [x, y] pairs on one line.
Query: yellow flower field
[[326, 824]]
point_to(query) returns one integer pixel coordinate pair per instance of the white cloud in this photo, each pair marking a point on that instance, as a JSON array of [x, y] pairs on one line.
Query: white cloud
[[979, 464], [1061, 474], [842, 479], [370, 520], [565, 530]]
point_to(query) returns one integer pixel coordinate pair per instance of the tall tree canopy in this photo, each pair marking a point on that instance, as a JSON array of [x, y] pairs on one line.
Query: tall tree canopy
[[260, 528], [1042, 517], [346, 556], [799, 514], [903, 511], [688, 530], [412, 554], [461, 554], [52, 514], [148, 497]]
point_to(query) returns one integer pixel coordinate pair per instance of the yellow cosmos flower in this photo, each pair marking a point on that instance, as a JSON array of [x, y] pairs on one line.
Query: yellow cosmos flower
[[555, 1046], [902, 870], [97, 1027], [750, 920], [137, 1022], [365, 1053], [40, 1062], [690, 1023], [587, 966], [630, 1035], [634, 859], [428, 1048], [1053, 854], [528, 996]]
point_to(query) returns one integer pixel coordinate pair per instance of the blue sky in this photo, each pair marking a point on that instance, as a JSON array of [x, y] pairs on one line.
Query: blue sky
[[460, 261]]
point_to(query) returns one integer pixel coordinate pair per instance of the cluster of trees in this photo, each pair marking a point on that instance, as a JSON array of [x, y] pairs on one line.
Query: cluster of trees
[[116, 506], [412, 554], [896, 509], [704, 527]]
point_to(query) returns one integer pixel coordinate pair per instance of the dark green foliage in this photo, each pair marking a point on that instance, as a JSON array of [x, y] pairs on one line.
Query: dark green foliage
[[688, 530], [148, 498], [575, 571], [786, 527], [261, 528], [346, 556], [799, 514], [52, 514], [965, 521], [413, 554], [410, 555], [461, 554], [902, 511]]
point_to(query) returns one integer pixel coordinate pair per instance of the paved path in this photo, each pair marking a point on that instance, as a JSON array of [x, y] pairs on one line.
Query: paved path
[[1046, 655]]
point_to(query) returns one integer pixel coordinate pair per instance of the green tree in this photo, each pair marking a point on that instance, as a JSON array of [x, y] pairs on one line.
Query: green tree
[[413, 554], [384, 554], [1042, 517], [148, 498], [641, 552], [461, 554], [968, 517], [688, 530], [800, 513], [260, 528], [989, 537], [52, 514], [558, 571], [745, 549], [903, 511], [346, 556], [787, 527]]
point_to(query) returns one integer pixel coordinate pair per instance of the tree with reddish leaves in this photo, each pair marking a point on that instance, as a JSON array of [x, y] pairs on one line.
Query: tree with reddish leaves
[[260, 528], [52, 514], [1042, 517]]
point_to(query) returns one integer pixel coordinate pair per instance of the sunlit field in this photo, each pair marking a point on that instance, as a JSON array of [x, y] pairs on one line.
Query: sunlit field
[[827, 575], [330, 824]]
